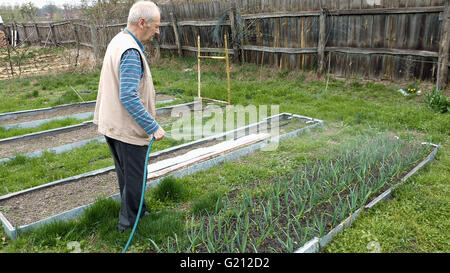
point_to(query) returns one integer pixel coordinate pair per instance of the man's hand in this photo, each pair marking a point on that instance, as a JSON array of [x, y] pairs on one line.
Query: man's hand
[[159, 134]]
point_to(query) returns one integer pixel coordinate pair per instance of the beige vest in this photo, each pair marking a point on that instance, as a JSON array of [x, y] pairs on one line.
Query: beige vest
[[110, 115]]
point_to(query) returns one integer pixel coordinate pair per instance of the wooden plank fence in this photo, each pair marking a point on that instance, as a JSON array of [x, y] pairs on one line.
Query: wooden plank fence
[[374, 39]]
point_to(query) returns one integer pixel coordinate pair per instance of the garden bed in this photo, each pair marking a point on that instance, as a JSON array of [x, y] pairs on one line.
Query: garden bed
[[285, 212], [316, 244], [47, 142], [64, 194], [39, 141], [32, 115], [30, 145], [60, 111]]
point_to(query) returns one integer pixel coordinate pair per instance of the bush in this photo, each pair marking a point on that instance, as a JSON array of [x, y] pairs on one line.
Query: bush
[[436, 101]]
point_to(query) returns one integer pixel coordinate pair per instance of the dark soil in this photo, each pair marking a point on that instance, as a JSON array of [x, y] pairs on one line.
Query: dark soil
[[37, 205], [59, 139]]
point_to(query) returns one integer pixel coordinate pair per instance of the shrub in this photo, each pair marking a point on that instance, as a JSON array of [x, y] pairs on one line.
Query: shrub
[[437, 101]]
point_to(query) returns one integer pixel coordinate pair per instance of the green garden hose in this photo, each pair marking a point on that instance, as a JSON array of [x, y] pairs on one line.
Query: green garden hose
[[144, 182]]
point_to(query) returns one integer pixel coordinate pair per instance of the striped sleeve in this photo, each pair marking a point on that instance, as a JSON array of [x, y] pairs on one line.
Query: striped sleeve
[[131, 72]]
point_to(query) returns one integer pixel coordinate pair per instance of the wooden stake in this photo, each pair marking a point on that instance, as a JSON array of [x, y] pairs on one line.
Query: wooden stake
[[213, 100], [228, 70], [198, 65], [227, 60], [213, 57], [260, 70]]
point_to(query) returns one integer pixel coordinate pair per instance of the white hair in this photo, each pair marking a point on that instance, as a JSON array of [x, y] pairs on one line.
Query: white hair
[[143, 9]]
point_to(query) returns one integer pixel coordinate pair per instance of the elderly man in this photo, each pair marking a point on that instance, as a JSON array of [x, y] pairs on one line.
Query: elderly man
[[125, 110]]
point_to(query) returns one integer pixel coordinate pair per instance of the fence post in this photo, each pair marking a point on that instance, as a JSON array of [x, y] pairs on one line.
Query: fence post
[[94, 41], [444, 47], [37, 34], [13, 35], [25, 35], [53, 34], [240, 29], [77, 40], [233, 32], [322, 41], [175, 31]]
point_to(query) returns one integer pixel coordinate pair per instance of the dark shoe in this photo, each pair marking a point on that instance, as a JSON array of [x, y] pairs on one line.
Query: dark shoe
[[122, 229], [148, 213]]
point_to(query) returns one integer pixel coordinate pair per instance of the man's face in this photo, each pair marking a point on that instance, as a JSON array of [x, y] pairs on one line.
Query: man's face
[[150, 29]]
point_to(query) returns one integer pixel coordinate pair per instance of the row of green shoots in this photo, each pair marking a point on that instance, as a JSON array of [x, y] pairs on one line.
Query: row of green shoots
[[283, 214]]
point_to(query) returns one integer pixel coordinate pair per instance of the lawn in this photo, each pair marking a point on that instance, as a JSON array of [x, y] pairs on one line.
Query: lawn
[[415, 220]]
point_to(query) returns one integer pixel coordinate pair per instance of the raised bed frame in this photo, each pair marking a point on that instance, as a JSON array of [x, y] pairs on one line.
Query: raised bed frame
[[160, 111], [316, 244], [70, 146], [13, 232], [32, 112]]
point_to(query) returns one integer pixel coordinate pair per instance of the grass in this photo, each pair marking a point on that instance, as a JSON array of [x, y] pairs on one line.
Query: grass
[[169, 190], [47, 91], [207, 204], [51, 90], [414, 221], [12, 132], [100, 217]]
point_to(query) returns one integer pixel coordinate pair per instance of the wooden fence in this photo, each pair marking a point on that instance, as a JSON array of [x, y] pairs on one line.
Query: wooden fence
[[375, 39]]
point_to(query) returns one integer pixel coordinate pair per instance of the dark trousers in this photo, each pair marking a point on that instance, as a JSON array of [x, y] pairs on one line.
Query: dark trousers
[[129, 161]]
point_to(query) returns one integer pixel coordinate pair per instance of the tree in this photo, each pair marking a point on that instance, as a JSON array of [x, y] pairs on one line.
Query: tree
[[9, 13], [68, 11], [28, 11], [106, 11]]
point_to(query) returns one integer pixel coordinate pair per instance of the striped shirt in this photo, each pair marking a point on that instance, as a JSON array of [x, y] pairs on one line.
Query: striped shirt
[[131, 72]]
